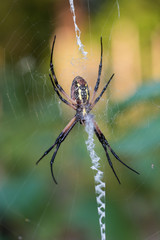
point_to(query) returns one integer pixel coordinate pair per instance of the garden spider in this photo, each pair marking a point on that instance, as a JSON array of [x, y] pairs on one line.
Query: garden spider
[[79, 101]]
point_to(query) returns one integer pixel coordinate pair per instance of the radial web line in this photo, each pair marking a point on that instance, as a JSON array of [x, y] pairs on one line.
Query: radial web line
[[77, 30], [118, 8], [99, 184]]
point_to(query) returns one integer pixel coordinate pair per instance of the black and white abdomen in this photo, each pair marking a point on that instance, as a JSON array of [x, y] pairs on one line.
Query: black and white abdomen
[[80, 90]]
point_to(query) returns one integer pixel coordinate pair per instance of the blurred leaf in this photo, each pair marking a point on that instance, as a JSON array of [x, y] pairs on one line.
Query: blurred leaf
[[143, 139], [19, 194], [144, 94]]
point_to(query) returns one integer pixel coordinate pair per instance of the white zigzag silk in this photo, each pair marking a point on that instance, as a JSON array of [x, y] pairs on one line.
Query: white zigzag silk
[[77, 30], [99, 184]]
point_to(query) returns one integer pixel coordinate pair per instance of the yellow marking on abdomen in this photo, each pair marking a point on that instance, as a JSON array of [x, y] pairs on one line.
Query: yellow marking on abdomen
[[79, 94], [87, 93], [84, 111], [79, 91]]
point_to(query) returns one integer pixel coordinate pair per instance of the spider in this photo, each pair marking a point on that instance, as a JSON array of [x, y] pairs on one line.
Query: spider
[[81, 103]]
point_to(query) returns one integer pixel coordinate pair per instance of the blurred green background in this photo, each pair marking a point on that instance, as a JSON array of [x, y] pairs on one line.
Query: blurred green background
[[31, 117]]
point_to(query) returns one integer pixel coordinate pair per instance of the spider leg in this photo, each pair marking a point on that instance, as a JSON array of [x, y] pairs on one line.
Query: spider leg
[[104, 89], [45, 153], [105, 144], [58, 142], [99, 73], [115, 155], [110, 162], [59, 95], [55, 78], [52, 161], [100, 138]]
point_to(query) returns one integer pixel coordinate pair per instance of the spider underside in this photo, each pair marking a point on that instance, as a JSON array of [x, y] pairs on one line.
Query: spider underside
[[80, 102]]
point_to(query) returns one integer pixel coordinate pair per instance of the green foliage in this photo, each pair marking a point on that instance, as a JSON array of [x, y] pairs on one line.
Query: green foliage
[[146, 94]]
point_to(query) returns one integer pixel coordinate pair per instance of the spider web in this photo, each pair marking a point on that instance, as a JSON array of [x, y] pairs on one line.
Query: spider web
[[31, 206]]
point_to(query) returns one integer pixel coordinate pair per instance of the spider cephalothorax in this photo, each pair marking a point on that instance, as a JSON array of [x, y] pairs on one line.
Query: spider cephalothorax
[[80, 102]]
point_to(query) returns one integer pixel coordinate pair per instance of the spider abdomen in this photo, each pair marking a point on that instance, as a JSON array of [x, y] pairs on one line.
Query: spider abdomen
[[80, 90]]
